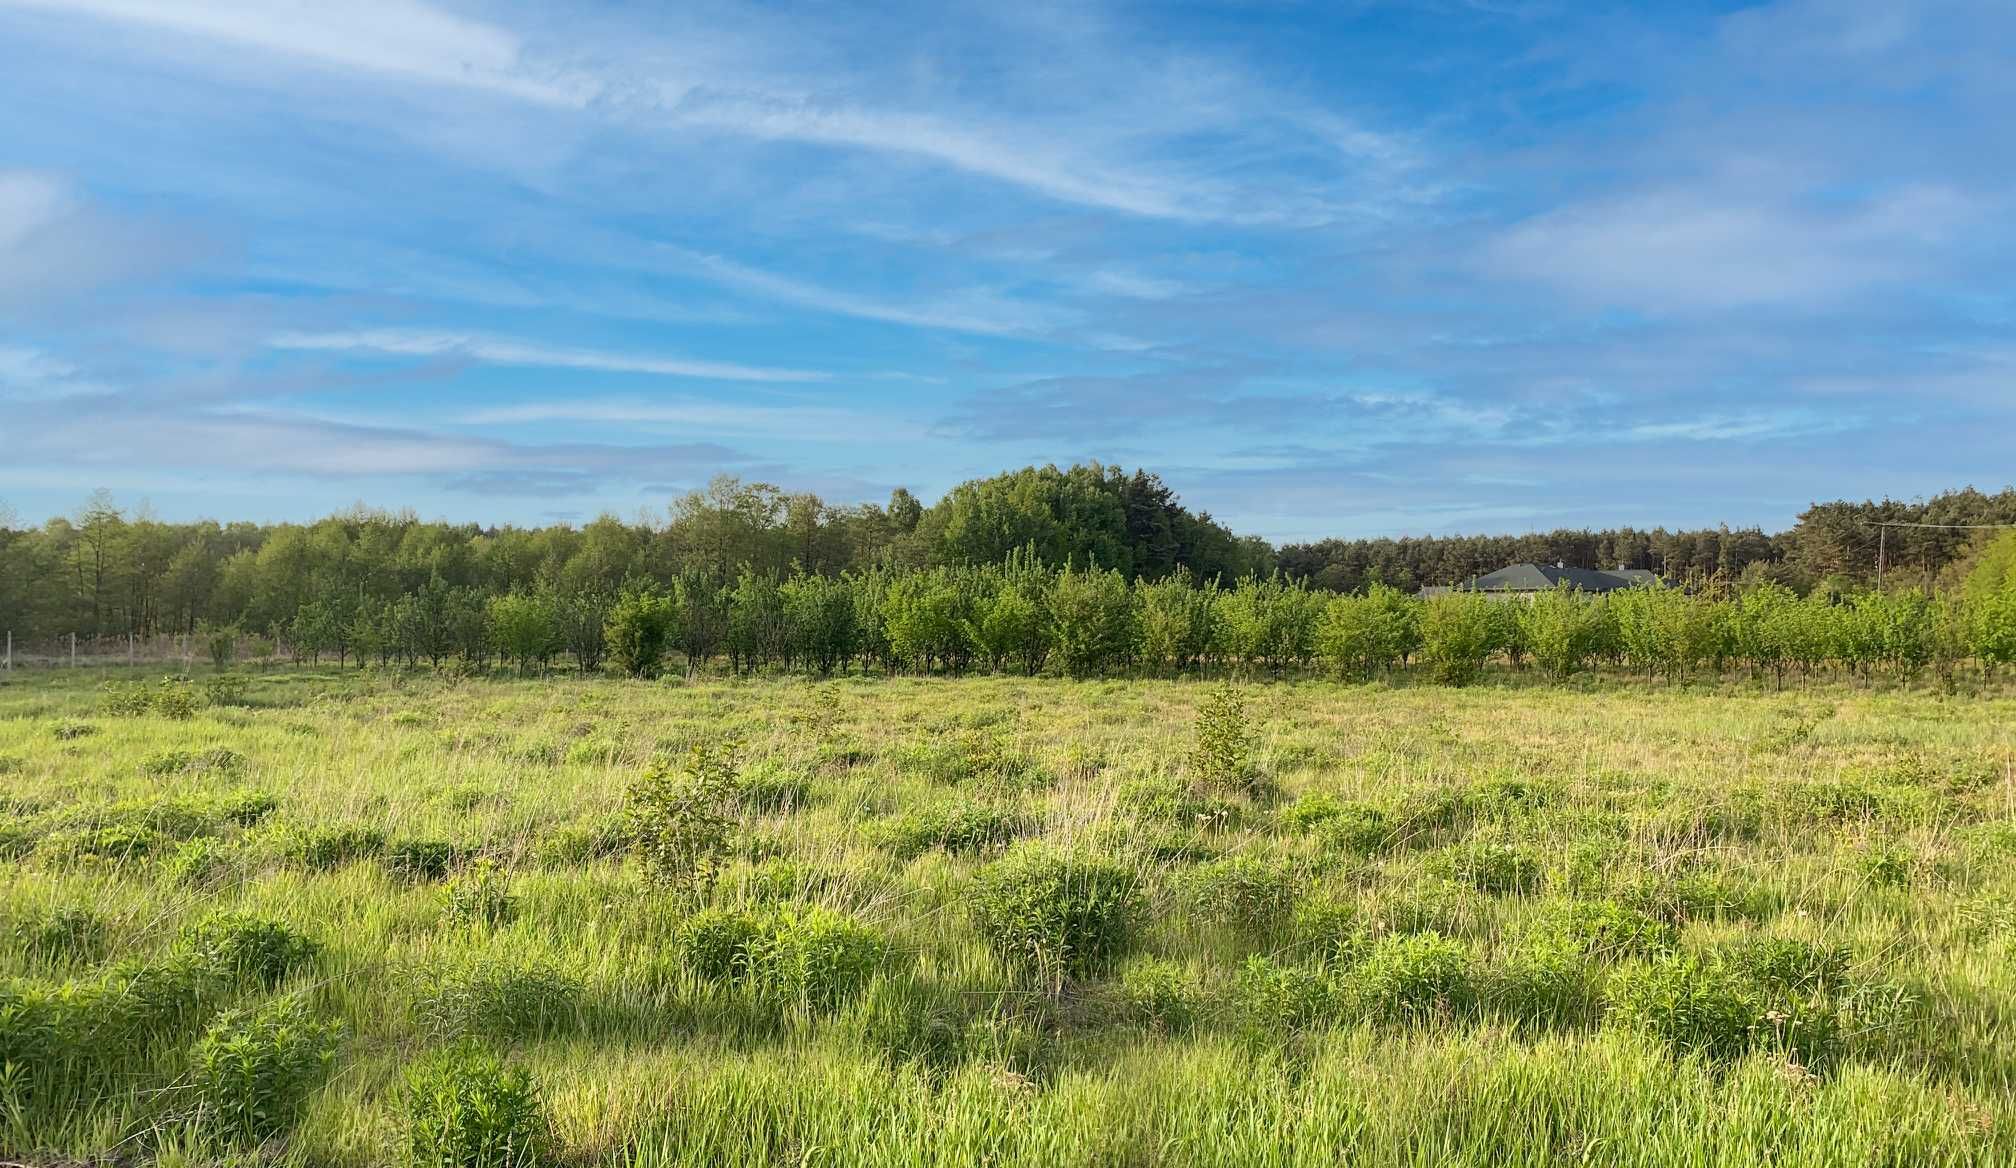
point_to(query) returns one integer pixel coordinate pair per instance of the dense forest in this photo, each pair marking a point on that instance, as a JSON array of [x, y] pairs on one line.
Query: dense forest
[[326, 584]]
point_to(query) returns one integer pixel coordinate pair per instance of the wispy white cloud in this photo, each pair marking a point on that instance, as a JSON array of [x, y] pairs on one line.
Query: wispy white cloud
[[397, 38], [968, 310], [802, 421], [28, 201], [504, 351]]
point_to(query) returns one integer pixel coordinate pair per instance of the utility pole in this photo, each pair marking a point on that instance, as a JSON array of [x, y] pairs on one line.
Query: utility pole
[[1882, 535]]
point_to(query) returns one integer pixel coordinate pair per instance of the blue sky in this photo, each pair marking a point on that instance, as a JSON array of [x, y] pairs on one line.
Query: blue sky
[[1332, 268]]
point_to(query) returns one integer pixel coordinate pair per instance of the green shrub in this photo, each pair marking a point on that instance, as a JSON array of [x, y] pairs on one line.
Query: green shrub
[[226, 689], [1274, 1000], [809, 958], [967, 826], [817, 960], [481, 999], [64, 935], [680, 823], [115, 842], [479, 895], [719, 944], [210, 760], [421, 859], [323, 848], [1689, 1004], [1173, 801], [770, 791], [1545, 982], [251, 1072], [1242, 892], [245, 808], [584, 842], [1054, 914], [467, 1109], [170, 697], [1488, 866], [1787, 964], [70, 729], [1161, 995], [1410, 977], [1605, 928], [1223, 754], [1886, 864], [1330, 931], [202, 863], [1357, 828], [248, 947]]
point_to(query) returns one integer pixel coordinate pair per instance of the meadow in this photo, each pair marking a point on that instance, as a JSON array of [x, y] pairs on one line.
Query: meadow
[[327, 917]]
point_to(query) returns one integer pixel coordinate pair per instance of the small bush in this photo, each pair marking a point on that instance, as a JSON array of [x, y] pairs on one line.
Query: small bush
[[1606, 928], [116, 843], [1223, 754], [210, 760], [70, 729], [771, 791], [719, 944], [1052, 913], [1412, 977], [1356, 828], [203, 863], [1545, 982], [226, 689], [467, 1109], [421, 859], [1886, 864], [1275, 1001], [65, 935], [323, 848], [584, 842], [245, 808], [817, 960], [479, 895], [1161, 995], [964, 827], [479, 999], [1786, 964], [1242, 892], [1330, 931], [248, 947], [1689, 1004], [253, 1069], [1488, 866], [170, 698], [680, 823], [1173, 801]]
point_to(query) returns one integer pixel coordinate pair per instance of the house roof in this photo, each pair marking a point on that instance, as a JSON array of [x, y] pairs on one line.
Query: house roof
[[1545, 577]]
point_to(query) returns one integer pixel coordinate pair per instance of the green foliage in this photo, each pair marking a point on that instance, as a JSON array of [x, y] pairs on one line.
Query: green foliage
[[1459, 632], [1690, 1004], [171, 698], [1362, 635], [1222, 756], [1488, 865], [251, 948], [479, 896], [1175, 802], [1162, 995], [965, 826], [484, 999], [421, 859], [639, 630], [1241, 891], [811, 959], [251, 1072], [465, 1108], [63, 935], [1055, 914], [1411, 977], [324, 848], [680, 823]]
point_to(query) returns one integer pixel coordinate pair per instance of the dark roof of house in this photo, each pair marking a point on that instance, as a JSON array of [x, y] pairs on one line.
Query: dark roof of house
[[1545, 577]]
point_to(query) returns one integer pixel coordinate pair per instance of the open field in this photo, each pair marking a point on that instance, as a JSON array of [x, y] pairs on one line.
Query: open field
[[1004, 921]]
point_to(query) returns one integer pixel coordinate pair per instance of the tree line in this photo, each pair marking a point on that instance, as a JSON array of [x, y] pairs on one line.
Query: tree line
[[1084, 571]]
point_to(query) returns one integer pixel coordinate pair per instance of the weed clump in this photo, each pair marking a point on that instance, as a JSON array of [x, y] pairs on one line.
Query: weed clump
[[465, 1108], [64, 935], [1055, 914], [481, 999], [1173, 802], [1222, 756], [251, 1072], [967, 826], [1412, 977], [1691, 1005], [479, 895], [1161, 995], [1488, 865], [322, 849], [71, 729], [172, 698], [247, 947], [809, 958], [210, 760], [418, 860], [680, 823], [1241, 892]]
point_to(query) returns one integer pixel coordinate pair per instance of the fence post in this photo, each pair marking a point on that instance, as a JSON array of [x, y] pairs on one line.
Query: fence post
[[10, 650], [73, 650]]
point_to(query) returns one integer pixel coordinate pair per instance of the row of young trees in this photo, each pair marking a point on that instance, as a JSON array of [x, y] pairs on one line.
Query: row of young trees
[[1023, 617], [103, 572]]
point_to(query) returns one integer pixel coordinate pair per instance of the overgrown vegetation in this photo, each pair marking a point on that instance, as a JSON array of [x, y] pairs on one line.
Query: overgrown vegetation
[[365, 919]]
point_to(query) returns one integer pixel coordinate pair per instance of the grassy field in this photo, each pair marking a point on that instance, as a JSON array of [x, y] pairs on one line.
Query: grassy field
[[1007, 922]]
